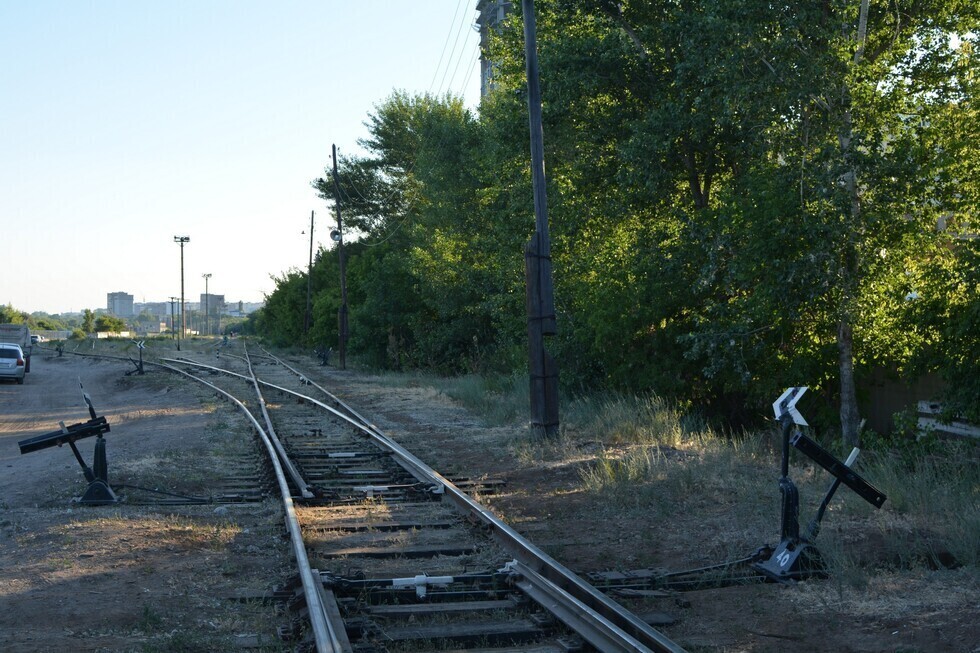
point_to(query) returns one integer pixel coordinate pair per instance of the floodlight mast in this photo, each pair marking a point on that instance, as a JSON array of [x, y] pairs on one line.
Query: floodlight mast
[[183, 322]]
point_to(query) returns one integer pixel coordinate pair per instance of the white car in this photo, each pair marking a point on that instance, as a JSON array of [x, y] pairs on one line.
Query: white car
[[12, 362]]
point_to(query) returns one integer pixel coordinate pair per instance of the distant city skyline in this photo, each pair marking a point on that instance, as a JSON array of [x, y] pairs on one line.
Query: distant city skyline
[[135, 308]]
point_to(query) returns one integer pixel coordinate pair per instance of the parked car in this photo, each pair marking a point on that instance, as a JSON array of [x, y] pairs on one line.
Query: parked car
[[20, 335], [12, 362]]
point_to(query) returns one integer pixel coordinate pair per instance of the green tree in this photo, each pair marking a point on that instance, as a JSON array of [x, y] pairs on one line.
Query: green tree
[[10, 315], [45, 322], [417, 278], [727, 177], [743, 197], [88, 321], [110, 324], [941, 286], [281, 318], [868, 176], [145, 318]]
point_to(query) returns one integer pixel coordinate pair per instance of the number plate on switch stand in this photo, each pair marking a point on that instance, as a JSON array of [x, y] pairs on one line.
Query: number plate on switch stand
[[792, 560]]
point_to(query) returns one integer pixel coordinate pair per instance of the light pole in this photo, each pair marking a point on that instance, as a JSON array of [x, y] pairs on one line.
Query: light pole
[[207, 314], [183, 322]]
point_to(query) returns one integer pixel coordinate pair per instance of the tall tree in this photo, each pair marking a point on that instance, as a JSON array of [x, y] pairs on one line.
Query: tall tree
[[110, 324], [727, 108], [88, 321], [743, 197]]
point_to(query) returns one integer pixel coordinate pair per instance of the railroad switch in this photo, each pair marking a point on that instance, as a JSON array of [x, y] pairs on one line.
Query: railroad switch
[[98, 492], [421, 583], [140, 345], [796, 557]]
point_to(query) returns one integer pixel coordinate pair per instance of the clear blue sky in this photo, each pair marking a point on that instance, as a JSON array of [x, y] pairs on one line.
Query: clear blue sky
[[126, 122]]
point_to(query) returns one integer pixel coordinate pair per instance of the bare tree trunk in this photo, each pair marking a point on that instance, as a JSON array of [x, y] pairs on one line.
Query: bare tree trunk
[[849, 416], [849, 413]]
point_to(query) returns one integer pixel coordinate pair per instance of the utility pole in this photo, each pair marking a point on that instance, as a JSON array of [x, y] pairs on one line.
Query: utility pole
[[207, 314], [338, 236], [541, 320], [173, 318], [183, 312], [308, 318]]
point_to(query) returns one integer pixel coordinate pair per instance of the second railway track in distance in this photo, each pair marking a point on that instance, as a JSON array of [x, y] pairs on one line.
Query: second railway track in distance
[[391, 555]]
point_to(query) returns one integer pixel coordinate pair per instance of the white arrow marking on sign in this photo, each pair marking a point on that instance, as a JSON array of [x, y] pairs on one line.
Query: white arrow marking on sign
[[787, 404]]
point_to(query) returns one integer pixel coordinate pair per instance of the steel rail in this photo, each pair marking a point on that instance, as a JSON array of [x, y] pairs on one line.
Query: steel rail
[[412, 465], [631, 631], [301, 483], [616, 628], [550, 578], [294, 474], [327, 639], [602, 634]]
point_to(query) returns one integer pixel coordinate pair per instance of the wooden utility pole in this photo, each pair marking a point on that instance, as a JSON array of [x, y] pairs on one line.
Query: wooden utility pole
[[541, 320], [207, 305], [339, 237], [307, 318], [173, 318]]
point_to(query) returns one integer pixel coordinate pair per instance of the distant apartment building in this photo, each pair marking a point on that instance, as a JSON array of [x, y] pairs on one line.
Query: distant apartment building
[[212, 304], [492, 14], [241, 309], [156, 309], [211, 308], [119, 304]]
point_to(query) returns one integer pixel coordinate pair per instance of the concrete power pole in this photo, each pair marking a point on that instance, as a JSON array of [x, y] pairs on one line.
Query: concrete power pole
[[183, 312]]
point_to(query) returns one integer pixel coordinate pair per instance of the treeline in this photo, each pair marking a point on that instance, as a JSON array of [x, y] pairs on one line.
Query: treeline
[[38, 321], [743, 196], [79, 325]]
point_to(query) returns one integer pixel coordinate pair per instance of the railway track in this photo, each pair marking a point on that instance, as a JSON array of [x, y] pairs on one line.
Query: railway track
[[390, 554]]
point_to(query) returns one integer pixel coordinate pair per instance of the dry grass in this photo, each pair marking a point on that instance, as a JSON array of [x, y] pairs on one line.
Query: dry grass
[[646, 459], [633, 482]]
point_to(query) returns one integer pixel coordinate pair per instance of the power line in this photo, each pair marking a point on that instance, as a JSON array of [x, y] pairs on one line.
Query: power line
[[444, 45], [423, 141], [459, 31]]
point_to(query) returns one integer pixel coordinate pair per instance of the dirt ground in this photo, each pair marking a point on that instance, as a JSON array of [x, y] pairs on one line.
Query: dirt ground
[[156, 578], [126, 577], [894, 611]]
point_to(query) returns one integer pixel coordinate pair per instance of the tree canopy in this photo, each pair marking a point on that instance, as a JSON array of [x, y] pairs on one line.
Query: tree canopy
[[110, 324], [742, 197]]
